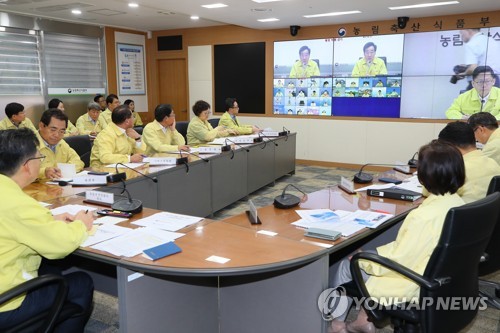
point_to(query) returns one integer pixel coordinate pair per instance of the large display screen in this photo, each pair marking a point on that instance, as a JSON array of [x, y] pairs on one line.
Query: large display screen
[[396, 76]]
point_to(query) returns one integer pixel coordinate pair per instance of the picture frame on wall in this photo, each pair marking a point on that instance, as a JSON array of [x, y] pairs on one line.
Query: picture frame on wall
[[131, 69]]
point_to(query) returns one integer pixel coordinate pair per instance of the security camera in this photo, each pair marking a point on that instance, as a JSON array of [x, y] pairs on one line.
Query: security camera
[[294, 30], [402, 20]]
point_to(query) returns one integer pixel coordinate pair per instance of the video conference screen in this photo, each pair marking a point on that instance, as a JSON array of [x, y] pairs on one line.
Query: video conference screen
[[393, 76]]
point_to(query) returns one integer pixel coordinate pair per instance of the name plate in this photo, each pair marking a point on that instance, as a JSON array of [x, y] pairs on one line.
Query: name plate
[[243, 140], [210, 149], [347, 185], [89, 180], [98, 196], [161, 160], [402, 166], [271, 133]]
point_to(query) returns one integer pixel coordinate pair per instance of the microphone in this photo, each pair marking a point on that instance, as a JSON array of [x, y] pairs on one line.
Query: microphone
[[364, 178], [286, 130], [154, 179], [413, 161], [190, 153], [237, 144], [128, 205], [181, 160], [269, 139], [285, 201]]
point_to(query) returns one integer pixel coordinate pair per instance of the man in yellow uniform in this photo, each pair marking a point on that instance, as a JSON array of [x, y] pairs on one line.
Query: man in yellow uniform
[[16, 118], [118, 142], [485, 127], [29, 232], [101, 100], [479, 169], [90, 123], [369, 65], [483, 98], [51, 130], [228, 119], [112, 102], [56, 103], [160, 136], [304, 68]]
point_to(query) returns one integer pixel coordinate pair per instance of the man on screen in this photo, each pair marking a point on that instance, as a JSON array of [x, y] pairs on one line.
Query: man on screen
[[483, 98], [369, 65], [304, 67]]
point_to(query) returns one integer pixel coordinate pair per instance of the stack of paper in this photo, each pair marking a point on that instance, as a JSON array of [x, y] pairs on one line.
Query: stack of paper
[[168, 221]]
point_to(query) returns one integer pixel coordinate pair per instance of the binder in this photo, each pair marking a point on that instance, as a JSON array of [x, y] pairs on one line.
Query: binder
[[395, 193], [161, 251]]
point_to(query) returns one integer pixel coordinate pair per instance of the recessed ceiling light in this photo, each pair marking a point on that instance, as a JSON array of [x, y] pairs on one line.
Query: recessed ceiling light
[[333, 14], [76, 11], [423, 5], [272, 19], [263, 1], [133, 5], [214, 5], [194, 17]]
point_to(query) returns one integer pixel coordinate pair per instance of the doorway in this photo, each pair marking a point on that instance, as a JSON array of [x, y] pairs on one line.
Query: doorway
[[173, 86]]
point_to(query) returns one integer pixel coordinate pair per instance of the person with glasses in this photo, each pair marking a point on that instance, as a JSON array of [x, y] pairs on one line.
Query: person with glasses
[[485, 128], [29, 232], [229, 120], [304, 67], [118, 142], [370, 64], [483, 98], [199, 129], [51, 129], [90, 123], [16, 118], [101, 100], [56, 103], [160, 136]]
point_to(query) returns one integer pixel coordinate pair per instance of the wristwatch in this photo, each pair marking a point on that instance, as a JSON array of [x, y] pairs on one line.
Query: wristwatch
[[138, 138]]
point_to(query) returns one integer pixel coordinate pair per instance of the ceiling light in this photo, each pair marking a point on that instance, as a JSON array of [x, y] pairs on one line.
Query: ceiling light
[[272, 19], [32, 32], [215, 5], [333, 14], [423, 5], [263, 1], [133, 5], [194, 17], [76, 11]]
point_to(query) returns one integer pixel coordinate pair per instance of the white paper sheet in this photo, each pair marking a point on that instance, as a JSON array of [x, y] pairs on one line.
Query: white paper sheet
[[105, 232], [71, 209], [168, 221]]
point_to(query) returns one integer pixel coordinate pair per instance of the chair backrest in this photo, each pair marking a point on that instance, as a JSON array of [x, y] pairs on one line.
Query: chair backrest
[[465, 234], [182, 127], [492, 264], [214, 122], [138, 129], [82, 145]]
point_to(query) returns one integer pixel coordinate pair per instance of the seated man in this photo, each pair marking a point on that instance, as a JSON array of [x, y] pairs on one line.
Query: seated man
[[160, 136], [30, 232], [483, 98], [16, 118], [485, 127], [118, 142], [228, 119], [479, 169], [51, 130], [112, 102], [90, 123], [56, 103]]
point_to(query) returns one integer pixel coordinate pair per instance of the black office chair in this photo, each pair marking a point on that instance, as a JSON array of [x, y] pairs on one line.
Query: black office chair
[[82, 145], [214, 122], [490, 261], [182, 127], [451, 272], [45, 320], [138, 129]]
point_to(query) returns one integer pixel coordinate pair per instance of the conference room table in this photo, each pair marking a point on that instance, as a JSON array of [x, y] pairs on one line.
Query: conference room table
[[271, 283]]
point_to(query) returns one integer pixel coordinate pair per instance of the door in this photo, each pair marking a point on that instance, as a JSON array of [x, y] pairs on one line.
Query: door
[[173, 86]]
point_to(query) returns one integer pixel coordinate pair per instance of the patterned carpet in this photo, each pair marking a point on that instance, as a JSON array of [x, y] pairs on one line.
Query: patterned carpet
[[309, 179]]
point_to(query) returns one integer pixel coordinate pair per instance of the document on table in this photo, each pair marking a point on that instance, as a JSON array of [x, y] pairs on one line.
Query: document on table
[[135, 241], [105, 232], [411, 184], [71, 209], [168, 221]]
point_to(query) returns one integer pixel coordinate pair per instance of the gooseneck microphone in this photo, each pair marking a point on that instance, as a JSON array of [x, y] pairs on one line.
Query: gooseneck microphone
[[286, 200], [190, 153], [154, 179], [236, 144], [265, 141], [413, 161], [128, 205], [365, 178]]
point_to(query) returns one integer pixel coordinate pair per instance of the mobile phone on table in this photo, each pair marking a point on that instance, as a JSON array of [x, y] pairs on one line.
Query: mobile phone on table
[[116, 213]]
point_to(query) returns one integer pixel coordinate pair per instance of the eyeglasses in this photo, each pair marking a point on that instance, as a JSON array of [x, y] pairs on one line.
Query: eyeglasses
[[59, 131], [235, 107], [41, 158], [206, 112], [487, 82]]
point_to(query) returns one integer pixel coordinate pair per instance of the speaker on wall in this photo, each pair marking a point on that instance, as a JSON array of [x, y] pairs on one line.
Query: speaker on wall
[[169, 43]]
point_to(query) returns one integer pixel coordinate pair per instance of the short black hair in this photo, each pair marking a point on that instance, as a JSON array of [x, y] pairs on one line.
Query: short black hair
[[54, 103], [47, 115], [162, 111], [440, 168], [485, 119], [13, 108], [111, 98], [199, 107], [128, 101], [16, 146], [367, 45], [96, 98], [120, 114], [459, 134], [482, 69], [230, 102], [303, 48]]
